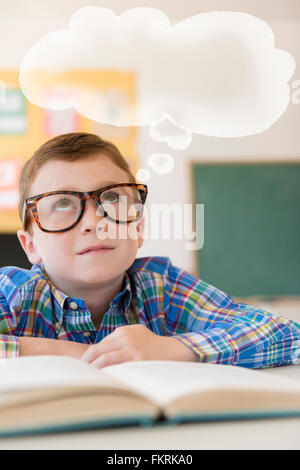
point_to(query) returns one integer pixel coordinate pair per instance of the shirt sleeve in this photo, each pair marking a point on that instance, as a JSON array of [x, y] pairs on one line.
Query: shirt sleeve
[[221, 331], [9, 344]]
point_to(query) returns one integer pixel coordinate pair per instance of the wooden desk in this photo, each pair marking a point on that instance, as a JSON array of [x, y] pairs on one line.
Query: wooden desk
[[281, 433]]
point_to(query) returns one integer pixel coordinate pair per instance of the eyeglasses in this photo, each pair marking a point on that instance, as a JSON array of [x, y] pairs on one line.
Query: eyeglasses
[[59, 211]]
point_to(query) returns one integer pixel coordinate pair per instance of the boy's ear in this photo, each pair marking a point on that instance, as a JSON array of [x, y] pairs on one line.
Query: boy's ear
[[26, 241]]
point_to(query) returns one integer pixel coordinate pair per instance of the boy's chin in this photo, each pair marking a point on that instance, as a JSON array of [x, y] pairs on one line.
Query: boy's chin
[[98, 272]]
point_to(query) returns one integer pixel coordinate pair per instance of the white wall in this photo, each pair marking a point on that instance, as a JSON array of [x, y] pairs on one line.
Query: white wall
[[22, 22]]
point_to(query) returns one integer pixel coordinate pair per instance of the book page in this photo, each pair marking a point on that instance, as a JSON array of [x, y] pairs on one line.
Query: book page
[[34, 372], [165, 381]]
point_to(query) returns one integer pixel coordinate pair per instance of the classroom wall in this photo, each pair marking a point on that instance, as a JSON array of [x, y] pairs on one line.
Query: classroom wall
[[33, 19]]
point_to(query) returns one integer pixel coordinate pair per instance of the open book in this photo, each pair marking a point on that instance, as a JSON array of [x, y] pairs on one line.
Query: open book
[[54, 393]]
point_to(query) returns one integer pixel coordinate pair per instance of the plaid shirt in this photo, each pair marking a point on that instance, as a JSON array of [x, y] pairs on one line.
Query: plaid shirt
[[155, 293]]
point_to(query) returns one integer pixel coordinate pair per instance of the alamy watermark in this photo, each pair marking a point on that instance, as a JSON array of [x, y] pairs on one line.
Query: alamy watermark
[[295, 94], [160, 222]]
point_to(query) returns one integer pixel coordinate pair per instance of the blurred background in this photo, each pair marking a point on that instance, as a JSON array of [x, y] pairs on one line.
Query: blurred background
[[250, 186]]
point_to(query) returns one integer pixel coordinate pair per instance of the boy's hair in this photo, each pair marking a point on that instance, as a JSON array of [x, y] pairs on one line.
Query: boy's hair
[[68, 147]]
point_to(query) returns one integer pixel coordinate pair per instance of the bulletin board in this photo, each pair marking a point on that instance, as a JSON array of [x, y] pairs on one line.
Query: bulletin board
[[25, 126], [251, 227]]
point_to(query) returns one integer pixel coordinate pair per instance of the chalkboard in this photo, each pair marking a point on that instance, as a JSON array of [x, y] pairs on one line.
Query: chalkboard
[[251, 227], [11, 252]]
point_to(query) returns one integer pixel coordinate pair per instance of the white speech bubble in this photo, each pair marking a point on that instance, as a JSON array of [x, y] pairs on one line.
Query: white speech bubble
[[216, 74]]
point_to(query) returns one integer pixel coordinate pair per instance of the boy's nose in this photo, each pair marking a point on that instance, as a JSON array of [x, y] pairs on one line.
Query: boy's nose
[[91, 215]]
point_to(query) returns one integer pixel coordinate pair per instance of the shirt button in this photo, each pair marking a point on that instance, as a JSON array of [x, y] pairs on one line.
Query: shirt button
[[73, 305], [57, 326], [87, 334]]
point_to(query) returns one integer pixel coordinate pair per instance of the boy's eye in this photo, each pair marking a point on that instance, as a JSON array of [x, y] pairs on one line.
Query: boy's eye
[[110, 197], [62, 204]]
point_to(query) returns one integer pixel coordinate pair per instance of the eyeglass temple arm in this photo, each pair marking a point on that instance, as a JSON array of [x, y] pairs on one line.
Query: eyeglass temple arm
[[23, 213]]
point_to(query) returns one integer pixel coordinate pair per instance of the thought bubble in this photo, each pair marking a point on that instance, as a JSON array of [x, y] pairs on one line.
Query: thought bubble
[[143, 175], [161, 163], [166, 130], [216, 74]]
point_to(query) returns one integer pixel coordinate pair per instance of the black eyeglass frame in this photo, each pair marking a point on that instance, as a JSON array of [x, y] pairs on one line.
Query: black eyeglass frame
[[31, 203]]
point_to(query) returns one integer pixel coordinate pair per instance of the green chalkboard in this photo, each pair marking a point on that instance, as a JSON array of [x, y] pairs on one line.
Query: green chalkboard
[[251, 227]]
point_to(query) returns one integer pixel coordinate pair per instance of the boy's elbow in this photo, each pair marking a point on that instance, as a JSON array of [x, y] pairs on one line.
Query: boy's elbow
[[9, 346]]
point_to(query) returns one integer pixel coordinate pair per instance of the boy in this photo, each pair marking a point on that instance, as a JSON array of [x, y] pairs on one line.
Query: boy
[[88, 296]]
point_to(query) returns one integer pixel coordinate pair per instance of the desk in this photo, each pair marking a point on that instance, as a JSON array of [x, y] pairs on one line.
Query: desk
[[281, 433]]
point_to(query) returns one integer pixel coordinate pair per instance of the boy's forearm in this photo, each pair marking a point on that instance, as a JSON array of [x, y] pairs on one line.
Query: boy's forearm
[[31, 346]]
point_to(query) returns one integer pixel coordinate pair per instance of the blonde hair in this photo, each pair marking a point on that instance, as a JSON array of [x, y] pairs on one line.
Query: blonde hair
[[68, 147]]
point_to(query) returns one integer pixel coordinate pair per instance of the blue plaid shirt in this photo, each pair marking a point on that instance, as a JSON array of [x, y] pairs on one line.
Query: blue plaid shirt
[[157, 294]]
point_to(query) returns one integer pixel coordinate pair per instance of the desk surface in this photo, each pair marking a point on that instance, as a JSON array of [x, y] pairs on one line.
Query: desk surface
[[281, 433]]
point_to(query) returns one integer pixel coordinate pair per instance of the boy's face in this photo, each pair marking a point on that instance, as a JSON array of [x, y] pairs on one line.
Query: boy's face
[[60, 251]]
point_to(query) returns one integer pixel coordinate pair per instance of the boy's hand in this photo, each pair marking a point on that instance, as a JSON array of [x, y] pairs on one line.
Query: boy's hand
[[136, 343]]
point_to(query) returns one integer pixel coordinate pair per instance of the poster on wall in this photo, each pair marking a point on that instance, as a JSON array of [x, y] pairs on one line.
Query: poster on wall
[[60, 121], [9, 178], [13, 116]]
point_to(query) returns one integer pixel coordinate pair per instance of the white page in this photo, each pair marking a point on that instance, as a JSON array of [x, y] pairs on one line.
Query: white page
[[27, 372], [164, 381]]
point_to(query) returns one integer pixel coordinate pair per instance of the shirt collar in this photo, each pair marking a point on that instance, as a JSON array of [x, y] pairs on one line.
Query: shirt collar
[[125, 295], [121, 300]]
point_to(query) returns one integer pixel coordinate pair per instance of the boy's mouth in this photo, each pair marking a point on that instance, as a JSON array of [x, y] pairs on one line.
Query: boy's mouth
[[96, 249]]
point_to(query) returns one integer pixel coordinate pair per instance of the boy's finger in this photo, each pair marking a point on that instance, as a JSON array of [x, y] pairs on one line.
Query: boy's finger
[[110, 358], [106, 345]]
